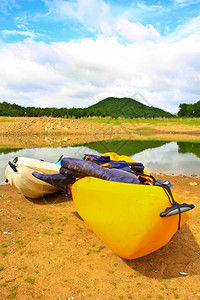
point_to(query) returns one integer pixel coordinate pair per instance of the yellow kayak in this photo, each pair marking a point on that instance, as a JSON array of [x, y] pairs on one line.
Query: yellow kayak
[[126, 217]]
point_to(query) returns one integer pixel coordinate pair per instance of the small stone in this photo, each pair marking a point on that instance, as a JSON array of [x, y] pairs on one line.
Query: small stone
[[193, 183], [11, 279], [183, 273]]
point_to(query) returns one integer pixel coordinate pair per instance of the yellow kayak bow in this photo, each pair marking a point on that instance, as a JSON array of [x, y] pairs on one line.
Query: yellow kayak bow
[[126, 217]]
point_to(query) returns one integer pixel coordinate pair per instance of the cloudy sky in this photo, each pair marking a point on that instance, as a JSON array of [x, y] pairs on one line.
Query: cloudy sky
[[74, 53]]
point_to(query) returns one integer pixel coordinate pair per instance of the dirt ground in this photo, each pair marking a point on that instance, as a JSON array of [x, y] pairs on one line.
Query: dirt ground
[[53, 126], [48, 252], [53, 132], [59, 132], [49, 125]]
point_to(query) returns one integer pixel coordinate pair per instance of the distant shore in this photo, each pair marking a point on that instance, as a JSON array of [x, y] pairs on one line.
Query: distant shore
[[48, 131]]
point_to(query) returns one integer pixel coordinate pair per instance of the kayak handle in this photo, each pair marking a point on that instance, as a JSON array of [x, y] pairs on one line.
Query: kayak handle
[[174, 209], [13, 167]]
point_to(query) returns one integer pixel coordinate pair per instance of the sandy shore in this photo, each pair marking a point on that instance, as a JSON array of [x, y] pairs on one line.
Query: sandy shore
[[48, 252]]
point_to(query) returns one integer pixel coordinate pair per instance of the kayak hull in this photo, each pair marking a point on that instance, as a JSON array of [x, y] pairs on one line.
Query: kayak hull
[[19, 174], [126, 217]]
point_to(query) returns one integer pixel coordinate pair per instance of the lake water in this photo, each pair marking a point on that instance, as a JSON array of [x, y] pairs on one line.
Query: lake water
[[172, 158]]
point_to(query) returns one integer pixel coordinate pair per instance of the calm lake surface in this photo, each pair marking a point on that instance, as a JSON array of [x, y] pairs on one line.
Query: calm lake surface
[[172, 158]]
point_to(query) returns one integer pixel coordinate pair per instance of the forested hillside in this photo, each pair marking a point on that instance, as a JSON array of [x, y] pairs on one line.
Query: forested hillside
[[128, 108], [189, 110], [109, 107]]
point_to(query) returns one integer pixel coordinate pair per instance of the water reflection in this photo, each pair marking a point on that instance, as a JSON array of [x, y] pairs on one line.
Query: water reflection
[[158, 156], [127, 147], [8, 150], [186, 147], [170, 160]]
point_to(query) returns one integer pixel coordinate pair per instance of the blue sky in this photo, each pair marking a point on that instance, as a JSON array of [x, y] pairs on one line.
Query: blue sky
[[75, 53]]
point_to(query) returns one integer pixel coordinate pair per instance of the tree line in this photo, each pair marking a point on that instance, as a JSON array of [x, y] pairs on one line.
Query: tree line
[[14, 110], [189, 110]]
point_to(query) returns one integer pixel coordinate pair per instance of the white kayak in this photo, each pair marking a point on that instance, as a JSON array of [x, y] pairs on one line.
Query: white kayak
[[19, 174]]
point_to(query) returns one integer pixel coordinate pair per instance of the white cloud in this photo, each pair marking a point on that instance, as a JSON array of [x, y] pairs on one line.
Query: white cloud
[[96, 16], [6, 5], [79, 73], [23, 33], [190, 28], [183, 3], [87, 12], [153, 8], [136, 31], [17, 32]]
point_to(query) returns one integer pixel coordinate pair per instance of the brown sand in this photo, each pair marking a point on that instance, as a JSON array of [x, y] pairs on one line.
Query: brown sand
[[48, 252]]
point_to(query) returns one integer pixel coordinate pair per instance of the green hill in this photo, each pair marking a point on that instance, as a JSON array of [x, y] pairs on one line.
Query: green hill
[[128, 108]]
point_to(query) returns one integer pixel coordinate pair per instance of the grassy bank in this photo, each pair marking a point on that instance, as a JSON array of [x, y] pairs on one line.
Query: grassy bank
[[175, 121]]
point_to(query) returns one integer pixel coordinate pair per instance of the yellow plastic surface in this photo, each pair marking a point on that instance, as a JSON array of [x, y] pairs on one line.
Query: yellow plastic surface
[[126, 217]]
